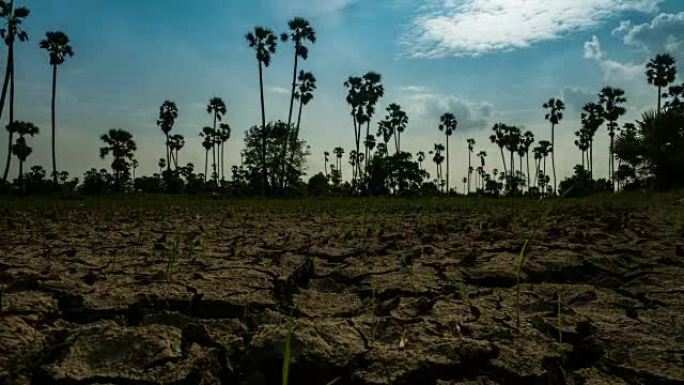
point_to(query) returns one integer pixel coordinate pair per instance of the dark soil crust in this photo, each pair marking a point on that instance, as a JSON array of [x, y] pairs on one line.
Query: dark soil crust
[[193, 295]]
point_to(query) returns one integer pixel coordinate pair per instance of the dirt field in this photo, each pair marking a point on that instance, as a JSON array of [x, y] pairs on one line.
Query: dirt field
[[379, 292]]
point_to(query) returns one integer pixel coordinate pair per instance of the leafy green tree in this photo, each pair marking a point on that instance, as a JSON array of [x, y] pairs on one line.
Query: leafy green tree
[[612, 100], [653, 148], [554, 114], [264, 43], [122, 147], [57, 46], [448, 124], [10, 32], [660, 72], [168, 112]]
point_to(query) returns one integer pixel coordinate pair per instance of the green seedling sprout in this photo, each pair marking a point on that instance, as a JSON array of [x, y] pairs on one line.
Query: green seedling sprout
[[521, 262], [287, 352]]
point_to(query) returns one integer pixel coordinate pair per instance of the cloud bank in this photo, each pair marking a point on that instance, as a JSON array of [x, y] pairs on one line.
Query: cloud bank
[[478, 27]]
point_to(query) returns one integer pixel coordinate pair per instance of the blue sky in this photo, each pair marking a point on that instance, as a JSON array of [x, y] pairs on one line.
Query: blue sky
[[484, 60]]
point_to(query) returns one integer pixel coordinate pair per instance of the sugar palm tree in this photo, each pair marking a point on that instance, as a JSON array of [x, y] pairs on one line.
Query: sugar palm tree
[[438, 158], [355, 99], [168, 112], [338, 151], [527, 141], [10, 32], [264, 43], [592, 118], [660, 72], [162, 165], [120, 144], [176, 143], [398, 121], [20, 149], [209, 143], [421, 158], [57, 46], [223, 136], [554, 114], [612, 100], [582, 142], [305, 87], [217, 108], [483, 156], [300, 31], [372, 90], [471, 147], [448, 124], [499, 138], [326, 158]]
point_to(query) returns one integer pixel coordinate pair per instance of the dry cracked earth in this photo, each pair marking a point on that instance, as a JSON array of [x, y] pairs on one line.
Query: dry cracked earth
[[195, 294]]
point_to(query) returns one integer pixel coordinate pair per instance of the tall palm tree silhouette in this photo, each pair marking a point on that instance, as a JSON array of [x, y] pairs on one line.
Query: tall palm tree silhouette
[[120, 144], [338, 151], [499, 138], [13, 18], [438, 158], [447, 124], [300, 31], [264, 43], [398, 121], [471, 147], [326, 158], [224, 136], [482, 155], [20, 149], [176, 143], [208, 143], [372, 90], [527, 141], [355, 99], [162, 165], [420, 158], [661, 71], [612, 100], [305, 87], [554, 114], [592, 119], [57, 46], [168, 112], [217, 108]]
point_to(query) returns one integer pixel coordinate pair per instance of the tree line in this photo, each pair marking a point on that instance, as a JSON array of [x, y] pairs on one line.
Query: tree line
[[274, 158]]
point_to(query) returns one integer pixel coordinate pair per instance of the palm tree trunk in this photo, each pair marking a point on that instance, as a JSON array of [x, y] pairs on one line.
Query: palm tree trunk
[[527, 160], [223, 166], [553, 155], [503, 159], [468, 192], [264, 172], [168, 153], [357, 132], [9, 79], [206, 163], [612, 164], [54, 158], [591, 161], [447, 160], [289, 117], [296, 135], [659, 98]]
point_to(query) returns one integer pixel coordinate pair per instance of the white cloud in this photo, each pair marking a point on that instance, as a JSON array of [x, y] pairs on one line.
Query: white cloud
[[664, 33], [429, 107], [576, 98], [613, 71], [476, 27], [277, 90], [413, 88]]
